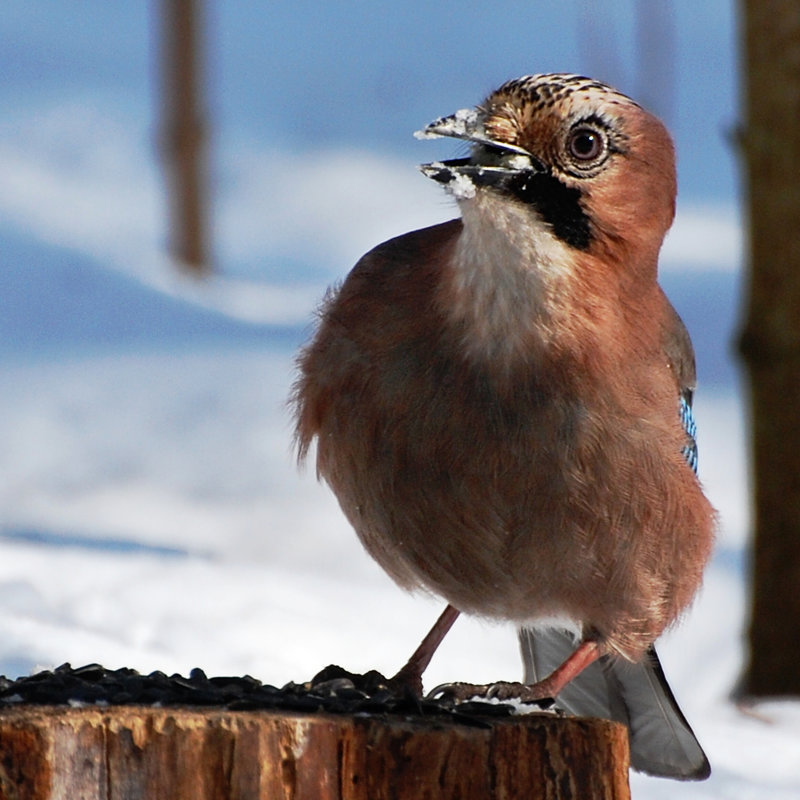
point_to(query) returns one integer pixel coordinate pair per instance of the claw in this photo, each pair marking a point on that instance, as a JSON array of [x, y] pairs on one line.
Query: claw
[[457, 691], [538, 693]]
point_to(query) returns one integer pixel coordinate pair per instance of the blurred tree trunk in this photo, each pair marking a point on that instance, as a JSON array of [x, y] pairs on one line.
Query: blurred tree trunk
[[770, 339], [184, 132]]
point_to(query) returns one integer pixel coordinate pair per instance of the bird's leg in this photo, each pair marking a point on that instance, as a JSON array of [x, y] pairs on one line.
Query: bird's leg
[[586, 653], [410, 676]]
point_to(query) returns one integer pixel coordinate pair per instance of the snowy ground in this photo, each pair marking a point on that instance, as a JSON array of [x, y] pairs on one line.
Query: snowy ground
[[151, 516]]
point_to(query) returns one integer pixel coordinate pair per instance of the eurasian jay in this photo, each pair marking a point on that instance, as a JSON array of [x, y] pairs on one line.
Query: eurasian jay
[[502, 405]]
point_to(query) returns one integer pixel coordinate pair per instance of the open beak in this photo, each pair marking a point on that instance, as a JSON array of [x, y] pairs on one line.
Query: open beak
[[491, 163]]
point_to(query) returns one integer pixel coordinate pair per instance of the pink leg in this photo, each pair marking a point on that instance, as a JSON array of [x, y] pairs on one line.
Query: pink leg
[[586, 653], [410, 676]]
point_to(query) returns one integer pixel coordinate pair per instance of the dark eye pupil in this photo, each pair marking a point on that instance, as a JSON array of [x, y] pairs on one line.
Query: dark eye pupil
[[586, 145]]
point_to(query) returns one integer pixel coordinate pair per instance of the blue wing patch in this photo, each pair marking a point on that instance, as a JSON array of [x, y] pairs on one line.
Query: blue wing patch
[[689, 450]]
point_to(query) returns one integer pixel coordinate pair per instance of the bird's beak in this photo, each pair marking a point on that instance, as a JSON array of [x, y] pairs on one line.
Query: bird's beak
[[492, 162]]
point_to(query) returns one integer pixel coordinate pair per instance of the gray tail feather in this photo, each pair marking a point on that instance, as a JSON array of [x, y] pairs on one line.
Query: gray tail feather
[[661, 741]]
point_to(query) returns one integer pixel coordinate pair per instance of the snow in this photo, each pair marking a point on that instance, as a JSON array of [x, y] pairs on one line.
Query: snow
[[460, 125], [291, 214], [151, 512], [458, 184], [152, 516], [461, 187], [707, 238]]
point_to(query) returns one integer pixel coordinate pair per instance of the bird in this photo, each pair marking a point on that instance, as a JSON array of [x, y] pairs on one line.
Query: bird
[[502, 404]]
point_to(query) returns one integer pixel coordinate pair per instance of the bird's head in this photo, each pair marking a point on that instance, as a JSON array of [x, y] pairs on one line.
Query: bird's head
[[596, 170]]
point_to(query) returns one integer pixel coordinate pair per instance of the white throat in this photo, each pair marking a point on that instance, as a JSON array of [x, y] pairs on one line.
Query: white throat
[[508, 276]]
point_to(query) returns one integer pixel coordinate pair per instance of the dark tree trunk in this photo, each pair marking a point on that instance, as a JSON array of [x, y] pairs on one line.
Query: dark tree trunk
[[770, 339], [184, 133]]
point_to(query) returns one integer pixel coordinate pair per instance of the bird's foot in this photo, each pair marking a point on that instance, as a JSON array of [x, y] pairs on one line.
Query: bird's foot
[[407, 682], [502, 690], [543, 693]]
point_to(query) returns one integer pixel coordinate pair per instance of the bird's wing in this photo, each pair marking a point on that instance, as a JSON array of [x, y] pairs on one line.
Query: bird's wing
[[661, 741], [677, 346]]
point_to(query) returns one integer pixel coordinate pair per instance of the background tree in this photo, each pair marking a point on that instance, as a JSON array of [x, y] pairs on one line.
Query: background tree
[[184, 132], [770, 338]]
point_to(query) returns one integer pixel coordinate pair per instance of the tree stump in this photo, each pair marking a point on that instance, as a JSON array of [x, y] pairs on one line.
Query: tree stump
[[127, 752]]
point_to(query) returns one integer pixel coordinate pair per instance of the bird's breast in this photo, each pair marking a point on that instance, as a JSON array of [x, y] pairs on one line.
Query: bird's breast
[[515, 482], [449, 470], [513, 290]]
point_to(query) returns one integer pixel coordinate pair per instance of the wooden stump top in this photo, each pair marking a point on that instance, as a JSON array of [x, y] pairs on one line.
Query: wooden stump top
[[132, 752]]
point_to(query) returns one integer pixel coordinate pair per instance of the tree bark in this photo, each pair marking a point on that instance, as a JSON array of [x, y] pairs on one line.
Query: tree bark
[[770, 339], [127, 753], [184, 133]]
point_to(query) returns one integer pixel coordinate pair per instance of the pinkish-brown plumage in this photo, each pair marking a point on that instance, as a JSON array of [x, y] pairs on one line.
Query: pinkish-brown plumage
[[496, 399]]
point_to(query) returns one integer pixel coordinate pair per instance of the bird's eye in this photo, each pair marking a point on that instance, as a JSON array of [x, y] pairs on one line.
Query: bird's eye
[[586, 145]]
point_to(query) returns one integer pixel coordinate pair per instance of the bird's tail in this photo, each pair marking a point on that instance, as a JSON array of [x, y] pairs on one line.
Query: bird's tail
[[661, 741]]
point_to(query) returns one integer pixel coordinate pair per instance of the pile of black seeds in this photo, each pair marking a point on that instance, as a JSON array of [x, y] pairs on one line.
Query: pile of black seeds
[[332, 690]]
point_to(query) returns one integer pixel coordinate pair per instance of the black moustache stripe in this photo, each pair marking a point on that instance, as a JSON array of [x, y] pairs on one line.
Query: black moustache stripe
[[559, 205]]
